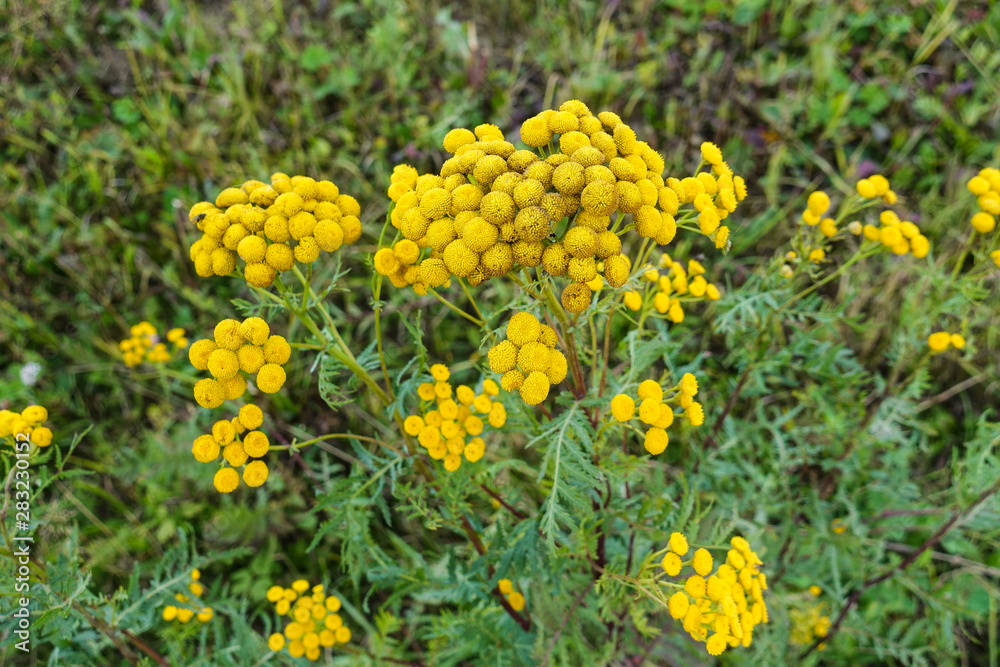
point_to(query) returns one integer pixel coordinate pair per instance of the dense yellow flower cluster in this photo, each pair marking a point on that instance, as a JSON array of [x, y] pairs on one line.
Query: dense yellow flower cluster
[[492, 207], [874, 187], [27, 422], [655, 410], [399, 265], [728, 604], [679, 286], [143, 343], [528, 358], [714, 193], [807, 622], [315, 622], [238, 347], [446, 419], [514, 598], [986, 187], [940, 341], [258, 223], [899, 236], [183, 613], [238, 441]]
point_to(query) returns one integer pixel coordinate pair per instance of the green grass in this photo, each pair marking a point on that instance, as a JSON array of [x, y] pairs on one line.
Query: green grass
[[115, 118]]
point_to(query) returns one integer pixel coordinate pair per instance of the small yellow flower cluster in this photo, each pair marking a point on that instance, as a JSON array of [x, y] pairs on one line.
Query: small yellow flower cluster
[[257, 223], [986, 187], [876, 186], [514, 598], [143, 343], [183, 613], [399, 265], [816, 206], [807, 622], [940, 341], [680, 285], [492, 207], [238, 442], [442, 427], [900, 236], [717, 603], [528, 358], [656, 412], [713, 193], [28, 422], [315, 622], [246, 347]]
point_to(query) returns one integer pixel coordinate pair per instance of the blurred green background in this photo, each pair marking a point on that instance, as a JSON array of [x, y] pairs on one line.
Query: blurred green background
[[116, 116]]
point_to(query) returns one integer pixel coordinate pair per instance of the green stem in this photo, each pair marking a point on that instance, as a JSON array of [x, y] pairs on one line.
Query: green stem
[[332, 436], [858, 256], [961, 258], [472, 300], [478, 323], [342, 355]]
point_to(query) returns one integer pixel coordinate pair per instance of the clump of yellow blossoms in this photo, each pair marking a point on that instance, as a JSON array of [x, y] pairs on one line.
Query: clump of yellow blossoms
[[940, 341], [514, 598], [238, 442], [986, 187], [528, 358], [679, 286], [143, 343], [807, 622], [446, 420], [27, 422], [720, 609], [315, 622], [896, 235], [259, 223], [655, 409], [493, 208], [183, 612], [874, 187], [899, 236], [238, 347]]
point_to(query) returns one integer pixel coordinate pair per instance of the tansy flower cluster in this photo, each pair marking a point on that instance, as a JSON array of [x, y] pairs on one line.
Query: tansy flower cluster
[[238, 442], [899, 236], [143, 343], [807, 622], [713, 193], [493, 208], [679, 286], [528, 358], [446, 420], [259, 223], [399, 264], [238, 348], [720, 609], [986, 187], [657, 412], [876, 186], [514, 598], [183, 612], [27, 422], [314, 621], [941, 341]]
